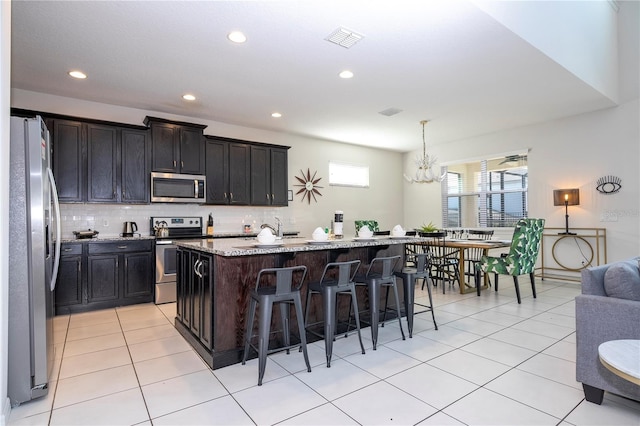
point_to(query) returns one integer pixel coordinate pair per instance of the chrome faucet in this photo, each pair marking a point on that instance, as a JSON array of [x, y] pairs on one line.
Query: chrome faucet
[[277, 232]]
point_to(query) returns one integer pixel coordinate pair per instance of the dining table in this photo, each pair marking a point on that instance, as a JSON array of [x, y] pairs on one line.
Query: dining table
[[461, 245]]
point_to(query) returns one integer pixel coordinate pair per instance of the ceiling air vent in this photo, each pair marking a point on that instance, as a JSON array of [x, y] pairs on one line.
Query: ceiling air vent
[[344, 37], [390, 111]]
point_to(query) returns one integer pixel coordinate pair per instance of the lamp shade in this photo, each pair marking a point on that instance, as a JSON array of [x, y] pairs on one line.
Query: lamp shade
[[571, 196]]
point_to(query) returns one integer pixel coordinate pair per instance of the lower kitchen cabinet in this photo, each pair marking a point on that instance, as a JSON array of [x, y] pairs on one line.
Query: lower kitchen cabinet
[[71, 272], [104, 274], [195, 295]]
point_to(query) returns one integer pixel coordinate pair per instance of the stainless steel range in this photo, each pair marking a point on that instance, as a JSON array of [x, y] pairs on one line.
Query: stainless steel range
[[179, 228]]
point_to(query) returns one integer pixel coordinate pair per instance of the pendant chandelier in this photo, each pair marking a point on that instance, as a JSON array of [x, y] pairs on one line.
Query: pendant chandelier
[[425, 165]]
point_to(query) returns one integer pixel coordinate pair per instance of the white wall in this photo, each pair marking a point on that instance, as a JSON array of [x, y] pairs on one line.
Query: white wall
[[573, 152], [5, 84], [381, 201]]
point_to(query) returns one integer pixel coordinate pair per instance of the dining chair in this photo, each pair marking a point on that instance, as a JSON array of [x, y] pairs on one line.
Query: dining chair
[[522, 256], [473, 255], [444, 266]]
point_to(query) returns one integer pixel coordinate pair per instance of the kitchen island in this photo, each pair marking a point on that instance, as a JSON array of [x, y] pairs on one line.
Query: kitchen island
[[215, 277]]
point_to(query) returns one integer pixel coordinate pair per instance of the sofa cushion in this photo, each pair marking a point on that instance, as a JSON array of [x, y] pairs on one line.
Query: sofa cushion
[[622, 280]]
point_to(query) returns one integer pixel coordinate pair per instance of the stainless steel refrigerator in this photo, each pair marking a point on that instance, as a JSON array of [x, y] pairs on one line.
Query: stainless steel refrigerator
[[34, 254]]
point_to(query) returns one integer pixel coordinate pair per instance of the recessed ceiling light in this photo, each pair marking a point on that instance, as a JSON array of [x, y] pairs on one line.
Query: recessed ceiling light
[[188, 97], [346, 74], [77, 74], [237, 37], [276, 115]]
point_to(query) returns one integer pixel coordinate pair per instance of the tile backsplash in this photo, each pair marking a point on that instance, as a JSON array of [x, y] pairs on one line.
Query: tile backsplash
[[108, 219]]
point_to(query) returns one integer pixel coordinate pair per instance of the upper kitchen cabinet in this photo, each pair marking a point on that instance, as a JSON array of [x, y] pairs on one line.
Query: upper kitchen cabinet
[[268, 175], [68, 164], [134, 174], [177, 147], [98, 162], [228, 171], [102, 160]]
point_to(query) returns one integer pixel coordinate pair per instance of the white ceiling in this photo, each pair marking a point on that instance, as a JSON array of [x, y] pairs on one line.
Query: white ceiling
[[447, 62]]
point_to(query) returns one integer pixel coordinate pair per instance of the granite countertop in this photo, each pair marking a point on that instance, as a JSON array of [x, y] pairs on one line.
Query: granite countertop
[[244, 247], [252, 234], [106, 238]]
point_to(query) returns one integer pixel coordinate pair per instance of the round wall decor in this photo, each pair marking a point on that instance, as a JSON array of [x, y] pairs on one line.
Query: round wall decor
[[309, 186]]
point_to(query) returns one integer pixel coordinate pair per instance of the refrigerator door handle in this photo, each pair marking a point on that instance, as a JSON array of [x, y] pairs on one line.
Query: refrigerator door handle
[[56, 204]]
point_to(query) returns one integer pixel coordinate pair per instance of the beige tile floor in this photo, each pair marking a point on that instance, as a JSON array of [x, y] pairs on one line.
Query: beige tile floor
[[492, 362]]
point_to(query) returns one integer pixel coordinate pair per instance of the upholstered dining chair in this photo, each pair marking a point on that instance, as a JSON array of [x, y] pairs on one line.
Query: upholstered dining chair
[[371, 224], [522, 256]]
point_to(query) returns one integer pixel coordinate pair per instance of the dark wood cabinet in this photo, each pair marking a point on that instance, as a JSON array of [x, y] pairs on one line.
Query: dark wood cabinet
[[260, 176], [228, 172], [68, 160], [195, 295], [102, 160], [70, 279], [102, 283], [279, 177], [134, 175], [100, 163], [239, 173], [217, 171], [176, 147], [117, 273], [268, 176], [136, 269]]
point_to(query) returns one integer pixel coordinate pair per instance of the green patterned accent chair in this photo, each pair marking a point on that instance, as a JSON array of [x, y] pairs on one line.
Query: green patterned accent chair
[[371, 224], [522, 256]]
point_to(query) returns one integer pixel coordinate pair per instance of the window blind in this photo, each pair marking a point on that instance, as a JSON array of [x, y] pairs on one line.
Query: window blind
[[485, 193]]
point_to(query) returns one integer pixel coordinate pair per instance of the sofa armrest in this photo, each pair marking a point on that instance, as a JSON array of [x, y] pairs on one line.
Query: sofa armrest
[[600, 319]]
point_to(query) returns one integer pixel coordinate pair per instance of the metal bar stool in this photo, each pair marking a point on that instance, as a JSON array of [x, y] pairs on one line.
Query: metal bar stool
[[378, 275], [284, 293], [330, 286], [409, 277]]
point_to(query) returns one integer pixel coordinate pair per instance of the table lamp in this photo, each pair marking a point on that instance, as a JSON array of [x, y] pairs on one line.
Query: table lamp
[[566, 198]]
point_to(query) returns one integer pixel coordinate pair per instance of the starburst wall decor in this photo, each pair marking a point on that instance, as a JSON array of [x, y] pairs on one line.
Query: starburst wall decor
[[309, 186]]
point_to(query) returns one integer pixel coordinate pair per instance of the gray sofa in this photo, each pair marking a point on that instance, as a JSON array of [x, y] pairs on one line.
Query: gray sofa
[[606, 310]]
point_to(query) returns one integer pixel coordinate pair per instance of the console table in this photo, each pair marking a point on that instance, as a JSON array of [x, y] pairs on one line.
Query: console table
[[564, 256]]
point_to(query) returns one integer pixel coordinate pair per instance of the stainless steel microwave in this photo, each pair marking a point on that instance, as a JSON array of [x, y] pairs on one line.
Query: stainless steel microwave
[[177, 188]]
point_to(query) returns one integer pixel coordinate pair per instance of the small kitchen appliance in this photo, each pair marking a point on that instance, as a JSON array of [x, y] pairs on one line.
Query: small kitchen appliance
[[129, 229], [167, 230], [178, 188]]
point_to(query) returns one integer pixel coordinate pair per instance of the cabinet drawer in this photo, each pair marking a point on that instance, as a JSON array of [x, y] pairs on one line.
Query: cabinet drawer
[[70, 249], [120, 246]]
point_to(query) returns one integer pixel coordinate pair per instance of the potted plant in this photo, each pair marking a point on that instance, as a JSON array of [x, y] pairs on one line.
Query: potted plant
[[430, 227]]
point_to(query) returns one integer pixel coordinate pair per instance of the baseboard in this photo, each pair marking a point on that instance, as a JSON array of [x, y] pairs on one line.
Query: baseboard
[[6, 411]]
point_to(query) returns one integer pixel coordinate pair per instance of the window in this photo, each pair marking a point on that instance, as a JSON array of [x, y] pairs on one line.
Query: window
[[486, 193], [341, 174]]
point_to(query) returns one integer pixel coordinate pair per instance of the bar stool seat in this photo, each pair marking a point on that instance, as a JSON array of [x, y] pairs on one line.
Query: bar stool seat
[[330, 287], [284, 293], [378, 275], [409, 277]]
